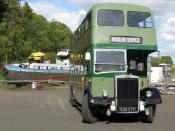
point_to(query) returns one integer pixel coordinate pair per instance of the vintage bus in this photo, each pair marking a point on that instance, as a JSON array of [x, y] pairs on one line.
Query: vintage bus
[[109, 62]]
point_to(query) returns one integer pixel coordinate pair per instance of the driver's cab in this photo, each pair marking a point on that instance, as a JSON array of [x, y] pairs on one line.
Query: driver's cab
[[137, 62]]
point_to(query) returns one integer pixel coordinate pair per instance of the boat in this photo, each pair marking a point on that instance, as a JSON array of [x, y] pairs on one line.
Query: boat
[[36, 69]]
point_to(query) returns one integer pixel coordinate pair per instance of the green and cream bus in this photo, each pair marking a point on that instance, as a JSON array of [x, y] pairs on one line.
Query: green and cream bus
[[109, 62]]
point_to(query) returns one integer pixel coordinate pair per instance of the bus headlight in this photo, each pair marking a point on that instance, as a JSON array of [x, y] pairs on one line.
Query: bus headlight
[[105, 93], [148, 94]]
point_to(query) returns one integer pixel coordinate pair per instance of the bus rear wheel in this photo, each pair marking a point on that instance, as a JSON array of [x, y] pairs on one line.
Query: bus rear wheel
[[87, 114]]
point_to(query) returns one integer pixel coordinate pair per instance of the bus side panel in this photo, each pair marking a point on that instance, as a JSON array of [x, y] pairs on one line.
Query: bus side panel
[[102, 83], [102, 34]]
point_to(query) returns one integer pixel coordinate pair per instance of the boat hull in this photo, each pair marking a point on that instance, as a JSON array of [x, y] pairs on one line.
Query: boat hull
[[14, 72]]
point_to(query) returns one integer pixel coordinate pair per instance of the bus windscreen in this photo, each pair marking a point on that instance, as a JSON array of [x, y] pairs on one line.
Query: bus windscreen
[[110, 60]]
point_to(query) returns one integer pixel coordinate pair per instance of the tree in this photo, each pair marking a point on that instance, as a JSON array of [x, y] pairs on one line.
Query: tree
[[22, 32], [166, 59], [155, 61], [60, 35], [5, 49], [2, 9], [174, 70]]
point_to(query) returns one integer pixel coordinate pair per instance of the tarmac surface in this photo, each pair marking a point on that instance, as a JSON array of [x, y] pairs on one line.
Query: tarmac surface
[[49, 110]]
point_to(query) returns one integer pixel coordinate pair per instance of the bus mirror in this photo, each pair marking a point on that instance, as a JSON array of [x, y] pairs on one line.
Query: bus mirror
[[87, 56]]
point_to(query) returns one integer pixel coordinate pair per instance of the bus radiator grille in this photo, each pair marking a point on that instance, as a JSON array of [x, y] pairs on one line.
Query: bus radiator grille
[[127, 94]]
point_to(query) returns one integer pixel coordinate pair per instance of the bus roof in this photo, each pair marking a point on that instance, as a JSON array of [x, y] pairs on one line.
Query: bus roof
[[126, 7], [100, 35], [119, 6]]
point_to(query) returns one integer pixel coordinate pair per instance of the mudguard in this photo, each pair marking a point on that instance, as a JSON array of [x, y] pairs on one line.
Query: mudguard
[[154, 99]]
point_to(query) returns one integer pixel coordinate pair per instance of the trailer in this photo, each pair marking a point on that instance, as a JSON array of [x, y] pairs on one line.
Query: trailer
[[156, 75]]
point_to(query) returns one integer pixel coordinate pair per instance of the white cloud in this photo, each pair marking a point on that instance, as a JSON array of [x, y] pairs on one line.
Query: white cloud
[[168, 28], [173, 47], [165, 20], [164, 12], [167, 35], [50, 11], [167, 50], [159, 6]]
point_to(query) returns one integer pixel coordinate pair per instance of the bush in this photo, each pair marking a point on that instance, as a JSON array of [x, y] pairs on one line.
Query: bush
[[51, 56], [2, 85]]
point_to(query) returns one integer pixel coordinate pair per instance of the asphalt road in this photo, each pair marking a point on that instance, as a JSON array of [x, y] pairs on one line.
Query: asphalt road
[[49, 110]]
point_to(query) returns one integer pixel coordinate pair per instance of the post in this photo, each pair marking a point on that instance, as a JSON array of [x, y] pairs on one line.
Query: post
[[34, 85]]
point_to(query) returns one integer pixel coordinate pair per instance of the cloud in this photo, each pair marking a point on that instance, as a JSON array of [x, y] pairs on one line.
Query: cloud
[[164, 16], [167, 35], [169, 23], [53, 12], [159, 6], [167, 50]]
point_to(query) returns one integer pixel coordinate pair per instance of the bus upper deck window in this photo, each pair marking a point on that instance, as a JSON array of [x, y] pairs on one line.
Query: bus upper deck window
[[110, 17], [139, 19]]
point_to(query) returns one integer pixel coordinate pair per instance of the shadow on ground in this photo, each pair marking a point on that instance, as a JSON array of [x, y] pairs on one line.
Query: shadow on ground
[[114, 118]]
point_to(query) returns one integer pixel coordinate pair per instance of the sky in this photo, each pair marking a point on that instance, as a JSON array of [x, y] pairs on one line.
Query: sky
[[71, 12]]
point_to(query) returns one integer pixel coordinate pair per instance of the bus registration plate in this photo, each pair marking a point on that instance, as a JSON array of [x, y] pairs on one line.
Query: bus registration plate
[[127, 109]]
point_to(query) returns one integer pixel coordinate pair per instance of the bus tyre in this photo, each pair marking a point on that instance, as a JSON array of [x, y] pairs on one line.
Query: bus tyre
[[151, 117], [86, 112], [72, 98]]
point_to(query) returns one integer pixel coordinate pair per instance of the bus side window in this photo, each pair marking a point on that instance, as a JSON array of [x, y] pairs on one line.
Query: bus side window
[[76, 71], [73, 71], [87, 69], [69, 71]]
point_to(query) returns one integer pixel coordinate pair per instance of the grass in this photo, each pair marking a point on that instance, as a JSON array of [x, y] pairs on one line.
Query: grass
[[2, 85]]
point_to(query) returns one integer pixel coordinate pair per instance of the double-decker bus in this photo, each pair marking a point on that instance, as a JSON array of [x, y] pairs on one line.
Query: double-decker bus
[[109, 62]]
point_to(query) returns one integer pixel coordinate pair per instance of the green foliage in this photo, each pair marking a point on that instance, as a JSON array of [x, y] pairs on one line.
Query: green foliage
[[22, 32], [2, 84], [173, 71], [51, 56], [174, 67], [155, 61], [2, 8], [57, 32], [164, 59]]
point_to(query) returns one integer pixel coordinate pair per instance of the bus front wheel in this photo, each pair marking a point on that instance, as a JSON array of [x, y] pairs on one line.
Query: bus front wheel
[[72, 97], [87, 114], [151, 117]]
